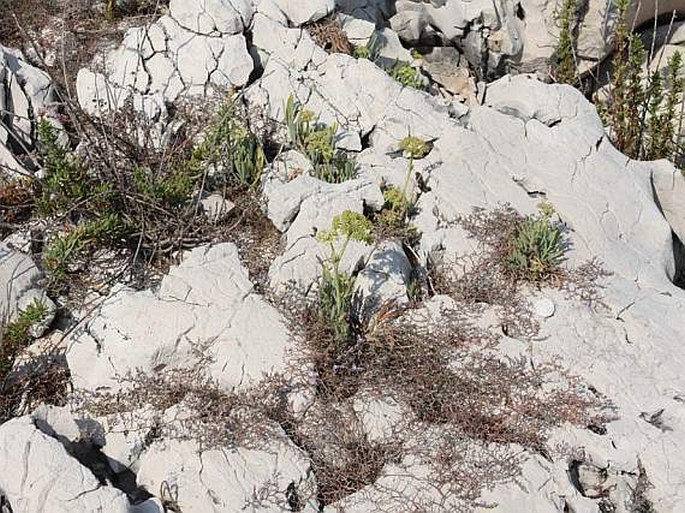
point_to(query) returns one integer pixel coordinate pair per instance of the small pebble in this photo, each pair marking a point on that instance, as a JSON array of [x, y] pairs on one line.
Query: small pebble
[[544, 308]]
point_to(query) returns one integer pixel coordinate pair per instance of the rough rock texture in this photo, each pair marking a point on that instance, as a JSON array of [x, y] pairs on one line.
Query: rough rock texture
[[195, 49], [20, 278], [37, 474], [206, 303], [227, 480], [527, 142], [25, 96], [669, 188]]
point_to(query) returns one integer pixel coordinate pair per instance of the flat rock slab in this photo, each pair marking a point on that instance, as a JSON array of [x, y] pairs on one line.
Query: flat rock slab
[[207, 303]]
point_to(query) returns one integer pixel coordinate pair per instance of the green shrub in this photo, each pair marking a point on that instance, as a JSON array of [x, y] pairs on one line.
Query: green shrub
[[644, 121], [336, 287], [370, 50], [139, 198], [566, 69], [66, 182], [535, 250], [17, 335], [317, 142], [165, 191], [408, 76]]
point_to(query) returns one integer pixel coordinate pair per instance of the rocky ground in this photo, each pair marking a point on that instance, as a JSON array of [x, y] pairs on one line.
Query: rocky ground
[[186, 370]]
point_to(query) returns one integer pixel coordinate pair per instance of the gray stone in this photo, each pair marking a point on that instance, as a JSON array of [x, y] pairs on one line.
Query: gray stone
[[20, 279], [669, 186], [299, 12], [212, 16]]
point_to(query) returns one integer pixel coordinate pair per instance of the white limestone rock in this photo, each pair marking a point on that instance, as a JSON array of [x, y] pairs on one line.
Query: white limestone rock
[[669, 187], [207, 301], [212, 16], [19, 278], [228, 480], [96, 95], [300, 13], [385, 278], [319, 203], [26, 96], [37, 475]]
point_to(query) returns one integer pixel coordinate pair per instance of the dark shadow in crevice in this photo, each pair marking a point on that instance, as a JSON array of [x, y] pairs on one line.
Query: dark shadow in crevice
[[89, 454]]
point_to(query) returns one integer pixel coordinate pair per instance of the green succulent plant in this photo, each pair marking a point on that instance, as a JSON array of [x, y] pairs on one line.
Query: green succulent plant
[[536, 249]]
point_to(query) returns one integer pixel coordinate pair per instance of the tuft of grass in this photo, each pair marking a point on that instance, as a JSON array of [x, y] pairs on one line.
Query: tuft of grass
[[232, 147], [317, 142]]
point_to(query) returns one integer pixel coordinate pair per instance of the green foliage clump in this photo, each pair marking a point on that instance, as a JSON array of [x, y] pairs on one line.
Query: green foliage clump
[[127, 196], [644, 121], [173, 191], [536, 249], [370, 50], [231, 146], [336, 287], [566, 71], [408, 76], [317, 142], [398, 202], [413, 147], [66, 182], [17, 335]]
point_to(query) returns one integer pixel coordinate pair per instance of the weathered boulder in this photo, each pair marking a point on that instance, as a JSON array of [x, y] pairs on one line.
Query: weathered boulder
[[37, 474], [207, 303], [669, 188], [26, 94], [275, 478], [200, 50]]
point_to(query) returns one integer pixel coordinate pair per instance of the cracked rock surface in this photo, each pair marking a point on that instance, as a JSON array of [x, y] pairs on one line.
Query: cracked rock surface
[[528, 141]]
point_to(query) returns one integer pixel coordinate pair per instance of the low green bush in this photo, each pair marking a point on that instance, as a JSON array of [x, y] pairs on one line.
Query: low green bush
[[408, 76], [121, 195]]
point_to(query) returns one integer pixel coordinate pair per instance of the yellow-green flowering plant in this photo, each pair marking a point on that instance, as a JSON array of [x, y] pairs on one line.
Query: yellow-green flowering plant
[[336, 286]]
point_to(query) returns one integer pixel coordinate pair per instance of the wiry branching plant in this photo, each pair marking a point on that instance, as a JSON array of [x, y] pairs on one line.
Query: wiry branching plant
[[124, 193]]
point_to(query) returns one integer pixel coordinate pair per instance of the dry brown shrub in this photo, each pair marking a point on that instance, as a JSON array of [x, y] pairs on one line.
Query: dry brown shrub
[[186, 404], [448, 375], [41, 380], [16, 203], [488, 280], [329, 35]]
